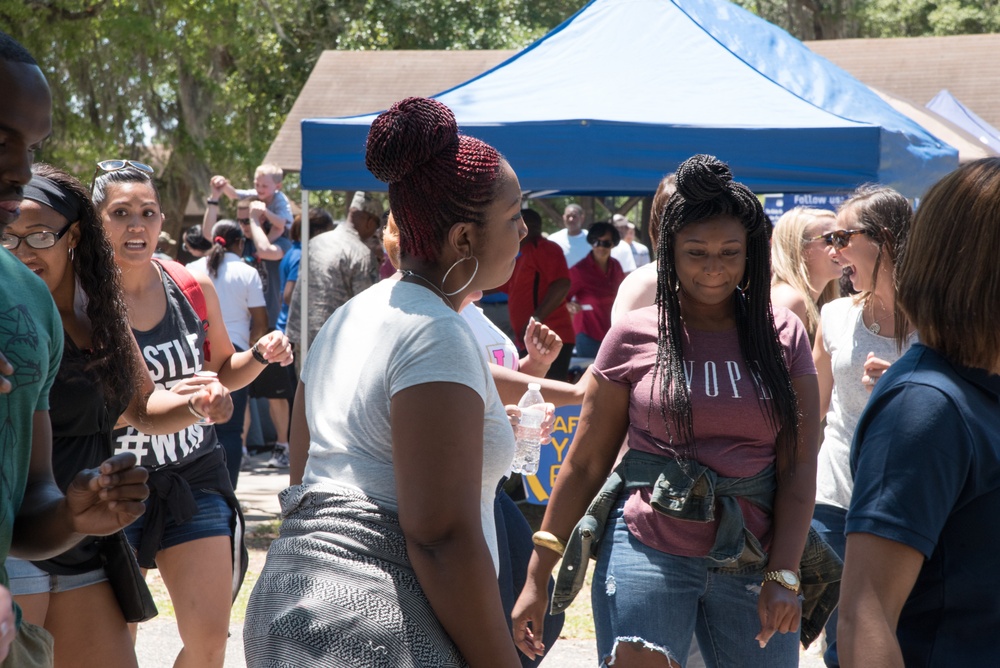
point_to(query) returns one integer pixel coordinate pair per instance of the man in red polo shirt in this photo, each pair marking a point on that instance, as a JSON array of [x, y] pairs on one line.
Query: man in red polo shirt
[[538, 288]]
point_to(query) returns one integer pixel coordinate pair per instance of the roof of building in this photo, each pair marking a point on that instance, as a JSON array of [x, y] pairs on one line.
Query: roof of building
[[348, 83], [969, 146], [917, 68]]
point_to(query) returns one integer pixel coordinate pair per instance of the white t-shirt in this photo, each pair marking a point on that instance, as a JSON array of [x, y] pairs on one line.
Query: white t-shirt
[[640, 253], [848, 342], [623, 253], [390, 337], [575, 248], [239, 288], [496, 345]]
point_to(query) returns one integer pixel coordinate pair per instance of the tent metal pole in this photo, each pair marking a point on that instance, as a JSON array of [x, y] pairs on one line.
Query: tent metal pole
[[304, 279]]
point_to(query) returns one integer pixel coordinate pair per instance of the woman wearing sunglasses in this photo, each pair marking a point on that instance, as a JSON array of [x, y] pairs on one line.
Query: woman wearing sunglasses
[[804, 275], [191, 530], [594, 282], [920, 583], [855, 343], [101, 378]]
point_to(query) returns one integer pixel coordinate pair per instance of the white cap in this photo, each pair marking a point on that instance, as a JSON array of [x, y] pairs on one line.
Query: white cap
[[534, 386], [365, 202]]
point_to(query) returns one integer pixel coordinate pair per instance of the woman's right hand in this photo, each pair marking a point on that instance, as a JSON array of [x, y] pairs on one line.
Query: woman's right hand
[[208, 396], [214, 403], [528, 617]]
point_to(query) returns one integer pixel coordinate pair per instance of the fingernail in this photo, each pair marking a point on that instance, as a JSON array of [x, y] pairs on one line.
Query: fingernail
[[763, 643], [4, 628]]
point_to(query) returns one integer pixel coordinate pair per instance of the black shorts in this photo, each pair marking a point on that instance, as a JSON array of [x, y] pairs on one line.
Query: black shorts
[[274, 382]]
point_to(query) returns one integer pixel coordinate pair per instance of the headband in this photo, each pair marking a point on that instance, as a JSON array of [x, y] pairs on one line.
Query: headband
[[45, 191]]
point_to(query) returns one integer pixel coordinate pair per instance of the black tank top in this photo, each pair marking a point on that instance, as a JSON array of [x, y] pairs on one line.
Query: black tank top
[[82, 422], [172, 351]]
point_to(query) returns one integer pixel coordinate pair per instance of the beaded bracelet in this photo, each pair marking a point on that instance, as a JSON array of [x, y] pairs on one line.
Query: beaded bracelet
[[257, 355]]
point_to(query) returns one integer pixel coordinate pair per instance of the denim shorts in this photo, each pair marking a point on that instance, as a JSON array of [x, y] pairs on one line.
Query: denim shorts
[[214, 518], [660, 600], [26, 578]]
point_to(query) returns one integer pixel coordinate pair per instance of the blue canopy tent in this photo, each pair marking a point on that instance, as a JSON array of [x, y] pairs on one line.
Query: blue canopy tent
[[950, 107], [625, 90]]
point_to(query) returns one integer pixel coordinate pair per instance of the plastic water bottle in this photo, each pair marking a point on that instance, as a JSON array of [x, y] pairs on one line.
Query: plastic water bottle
[[529, 431]]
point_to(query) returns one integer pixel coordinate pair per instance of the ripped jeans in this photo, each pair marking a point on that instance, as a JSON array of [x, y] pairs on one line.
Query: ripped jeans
[[660, 600]]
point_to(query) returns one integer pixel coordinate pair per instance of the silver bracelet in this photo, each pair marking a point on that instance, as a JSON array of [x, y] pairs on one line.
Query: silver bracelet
[[194, 411]]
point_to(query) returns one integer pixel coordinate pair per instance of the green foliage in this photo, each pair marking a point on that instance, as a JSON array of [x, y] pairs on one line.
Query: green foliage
[[198, 87], [829, 19], [201, 87]]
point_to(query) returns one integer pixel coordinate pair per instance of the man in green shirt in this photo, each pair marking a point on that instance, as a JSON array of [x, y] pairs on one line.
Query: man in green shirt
[[36, 520]]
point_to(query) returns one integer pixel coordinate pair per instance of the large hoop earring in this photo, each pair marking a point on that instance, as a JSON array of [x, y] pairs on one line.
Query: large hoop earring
[[467, 283], [744, 289]]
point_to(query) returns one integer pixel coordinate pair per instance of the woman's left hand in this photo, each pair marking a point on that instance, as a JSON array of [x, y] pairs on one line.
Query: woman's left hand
[[276, 348], [543, 345], [780, 611], [874, 368], [514, 415]]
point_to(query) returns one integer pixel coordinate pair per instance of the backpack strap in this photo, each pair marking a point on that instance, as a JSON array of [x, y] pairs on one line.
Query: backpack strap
[[192, 291]]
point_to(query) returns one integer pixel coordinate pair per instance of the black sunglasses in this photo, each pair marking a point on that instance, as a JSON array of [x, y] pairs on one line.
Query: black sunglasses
[[838, 238], [115, 165], [37, 240], [603, 243]]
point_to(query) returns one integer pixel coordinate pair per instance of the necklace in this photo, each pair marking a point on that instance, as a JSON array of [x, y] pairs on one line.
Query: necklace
[[410, 274], [875, 327]]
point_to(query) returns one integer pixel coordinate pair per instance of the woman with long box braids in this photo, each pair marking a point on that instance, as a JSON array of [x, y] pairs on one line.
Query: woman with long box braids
[[701, 529]]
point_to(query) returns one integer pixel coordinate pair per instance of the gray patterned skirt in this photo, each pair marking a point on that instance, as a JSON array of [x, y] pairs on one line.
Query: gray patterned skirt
[[338, 590]]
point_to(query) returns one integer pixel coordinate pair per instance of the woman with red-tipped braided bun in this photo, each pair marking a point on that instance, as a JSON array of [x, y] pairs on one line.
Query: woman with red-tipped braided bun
[[387, 554]]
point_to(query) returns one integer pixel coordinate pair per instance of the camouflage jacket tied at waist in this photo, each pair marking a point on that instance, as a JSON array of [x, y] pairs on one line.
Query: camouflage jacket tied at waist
[[691, 491]]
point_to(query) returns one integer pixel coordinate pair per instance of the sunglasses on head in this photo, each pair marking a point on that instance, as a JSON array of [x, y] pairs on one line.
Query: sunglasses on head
[[37, 240], [603, 243], [838, 238], [115, 165]]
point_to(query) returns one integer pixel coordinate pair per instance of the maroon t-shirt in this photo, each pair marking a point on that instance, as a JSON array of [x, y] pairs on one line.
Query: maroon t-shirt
[[540, 263], [596, 288], [733, 436]]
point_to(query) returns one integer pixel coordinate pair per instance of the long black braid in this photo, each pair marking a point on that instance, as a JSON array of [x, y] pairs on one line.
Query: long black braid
[[705, 189]]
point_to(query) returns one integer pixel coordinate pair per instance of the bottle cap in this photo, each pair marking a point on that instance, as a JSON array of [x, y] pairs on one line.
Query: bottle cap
[[534, 386]]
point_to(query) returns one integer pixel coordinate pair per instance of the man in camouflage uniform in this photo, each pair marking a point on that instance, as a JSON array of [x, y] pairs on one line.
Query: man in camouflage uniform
[[341, 265]]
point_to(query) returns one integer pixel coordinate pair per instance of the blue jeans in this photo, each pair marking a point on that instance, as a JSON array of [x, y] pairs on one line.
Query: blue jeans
[[213, 518], [515, 548], [830, 522], [643, 595], [230, 434]]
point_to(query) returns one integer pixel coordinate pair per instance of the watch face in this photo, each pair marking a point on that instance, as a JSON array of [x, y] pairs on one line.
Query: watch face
[[789, 578]]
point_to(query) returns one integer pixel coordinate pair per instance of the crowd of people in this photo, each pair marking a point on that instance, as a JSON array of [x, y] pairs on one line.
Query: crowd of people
[[788, 432]]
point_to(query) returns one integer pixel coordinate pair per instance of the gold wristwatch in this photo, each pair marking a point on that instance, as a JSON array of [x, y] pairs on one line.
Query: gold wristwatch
[[787, 579]]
